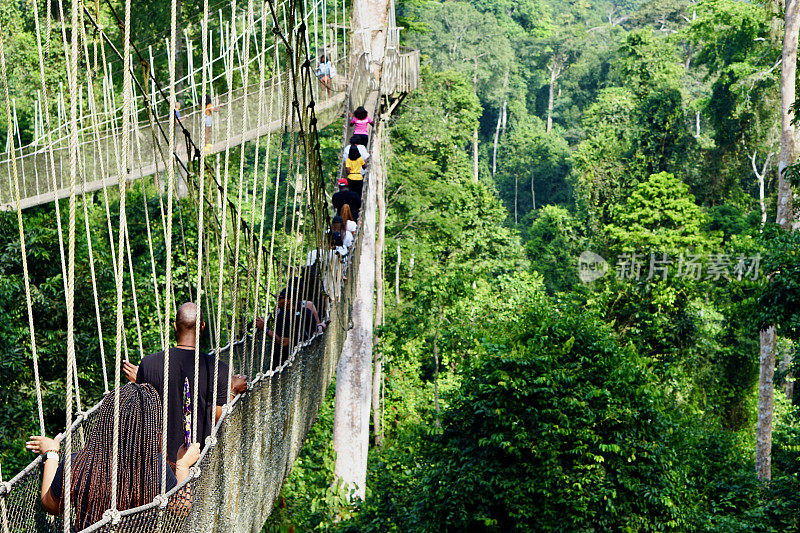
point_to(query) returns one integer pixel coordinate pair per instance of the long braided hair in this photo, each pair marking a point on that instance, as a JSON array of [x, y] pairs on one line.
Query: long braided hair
[[139, 456]]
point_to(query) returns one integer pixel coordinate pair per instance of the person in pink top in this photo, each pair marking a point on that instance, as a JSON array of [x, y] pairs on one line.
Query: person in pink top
[[361, 120]]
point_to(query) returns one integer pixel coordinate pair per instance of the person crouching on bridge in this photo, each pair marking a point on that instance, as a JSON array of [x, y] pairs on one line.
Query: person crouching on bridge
[[138, 465], [181, 381]]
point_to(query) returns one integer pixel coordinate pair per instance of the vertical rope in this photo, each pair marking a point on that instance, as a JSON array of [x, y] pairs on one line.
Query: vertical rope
[[170, 193], [220, 279], [200, 228], [91, 259], [237, 226], [123, 178], [26, 277], [70, 296]]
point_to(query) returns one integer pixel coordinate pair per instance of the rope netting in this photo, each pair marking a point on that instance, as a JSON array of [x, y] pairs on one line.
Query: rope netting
[[234, 485], [253, 235]]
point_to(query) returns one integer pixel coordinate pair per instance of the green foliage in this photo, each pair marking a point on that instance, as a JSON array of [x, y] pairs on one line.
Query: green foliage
[[660, 215], [533, 167], [554, 241], [578, 416], [779, 303], [647, 64], [460, 37]]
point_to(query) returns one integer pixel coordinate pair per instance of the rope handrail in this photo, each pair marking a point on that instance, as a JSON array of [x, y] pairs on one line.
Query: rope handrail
[[267, 423]]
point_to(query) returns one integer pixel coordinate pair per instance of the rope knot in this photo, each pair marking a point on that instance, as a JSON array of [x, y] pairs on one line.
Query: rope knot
[[194, 471], [212, 440], [5, 488], [307, 63], [161, 500], [275, 30], [112, 515]]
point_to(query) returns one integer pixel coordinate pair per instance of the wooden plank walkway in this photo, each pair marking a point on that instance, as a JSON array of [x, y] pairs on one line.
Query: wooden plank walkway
[[98, 150], [98, 160]]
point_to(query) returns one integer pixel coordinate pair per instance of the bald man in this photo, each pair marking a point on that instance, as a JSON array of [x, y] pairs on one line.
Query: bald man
[[181, 370]]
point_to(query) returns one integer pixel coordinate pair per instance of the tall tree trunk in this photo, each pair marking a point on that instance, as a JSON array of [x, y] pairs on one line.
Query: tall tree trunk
[[377, 372], [551, 96], [697, 124], [496, 138], [516, 190], [180, 72], [354, 372], [475, 132], [436, 366], [397, 276], [760, 176], [788, 150], [500, 119], [533, 193], [784, 218], [766, 362], [475, 155]]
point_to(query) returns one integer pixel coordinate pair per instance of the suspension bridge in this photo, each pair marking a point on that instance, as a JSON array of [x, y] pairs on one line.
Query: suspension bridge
[[257, 193]]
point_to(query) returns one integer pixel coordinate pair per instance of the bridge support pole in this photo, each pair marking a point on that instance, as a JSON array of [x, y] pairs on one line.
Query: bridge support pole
[[354, 373]]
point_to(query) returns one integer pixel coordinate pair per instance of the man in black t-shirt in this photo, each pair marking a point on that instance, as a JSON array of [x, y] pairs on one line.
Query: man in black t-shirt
[[181, 370], [346, 196]]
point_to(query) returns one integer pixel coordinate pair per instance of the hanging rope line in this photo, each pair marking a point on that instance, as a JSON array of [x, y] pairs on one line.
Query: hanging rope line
[[264, 47]]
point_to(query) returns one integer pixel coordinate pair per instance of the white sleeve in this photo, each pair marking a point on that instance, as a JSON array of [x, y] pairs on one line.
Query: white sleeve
[[363, 151]]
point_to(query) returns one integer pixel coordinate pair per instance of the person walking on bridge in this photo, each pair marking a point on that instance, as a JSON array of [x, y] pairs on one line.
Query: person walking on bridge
[[346, 197], [353, 165], [361, 120], [208, 120], [181, 370]]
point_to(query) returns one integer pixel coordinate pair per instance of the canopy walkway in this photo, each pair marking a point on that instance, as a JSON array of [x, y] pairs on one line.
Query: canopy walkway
[[255, 110], [253, 232]]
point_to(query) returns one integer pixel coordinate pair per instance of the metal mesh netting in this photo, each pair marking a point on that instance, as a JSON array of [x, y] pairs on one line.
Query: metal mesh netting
[[234, 485]]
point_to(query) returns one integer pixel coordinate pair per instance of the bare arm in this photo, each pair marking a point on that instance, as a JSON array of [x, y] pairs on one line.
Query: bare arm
[[182, 501], [42, 445], [188, 458], [238, 386], [313, 308], [284, 340]]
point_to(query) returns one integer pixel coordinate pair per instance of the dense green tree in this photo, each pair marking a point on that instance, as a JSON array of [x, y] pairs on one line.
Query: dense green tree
[[660, 215], [554, 242]]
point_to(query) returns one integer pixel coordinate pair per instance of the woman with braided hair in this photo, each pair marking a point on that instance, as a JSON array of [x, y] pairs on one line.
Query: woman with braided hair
[[138, 464]]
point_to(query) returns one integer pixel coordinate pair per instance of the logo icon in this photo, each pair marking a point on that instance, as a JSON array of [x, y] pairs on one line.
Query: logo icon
[[591, 267]]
